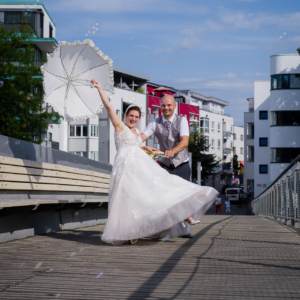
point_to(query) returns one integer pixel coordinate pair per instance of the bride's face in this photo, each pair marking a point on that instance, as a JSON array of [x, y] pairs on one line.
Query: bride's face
[[132, 118]]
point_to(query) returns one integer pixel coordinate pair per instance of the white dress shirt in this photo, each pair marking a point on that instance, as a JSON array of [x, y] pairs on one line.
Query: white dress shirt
[[183, 131]]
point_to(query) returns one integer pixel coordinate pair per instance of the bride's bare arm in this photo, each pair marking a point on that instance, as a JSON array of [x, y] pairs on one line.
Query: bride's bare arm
[[116, 121]]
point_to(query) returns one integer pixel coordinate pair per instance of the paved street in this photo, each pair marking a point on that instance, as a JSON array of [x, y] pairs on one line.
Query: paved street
[[230, 257]]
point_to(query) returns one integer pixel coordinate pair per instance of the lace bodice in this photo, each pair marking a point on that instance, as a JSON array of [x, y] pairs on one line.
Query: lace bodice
[[127, 139]]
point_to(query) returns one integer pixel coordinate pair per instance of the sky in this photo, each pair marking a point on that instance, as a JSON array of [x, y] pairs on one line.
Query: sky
[[214, 47]]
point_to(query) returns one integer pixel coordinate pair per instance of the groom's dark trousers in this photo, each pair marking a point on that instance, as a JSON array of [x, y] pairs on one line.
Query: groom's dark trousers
[[183, 170]]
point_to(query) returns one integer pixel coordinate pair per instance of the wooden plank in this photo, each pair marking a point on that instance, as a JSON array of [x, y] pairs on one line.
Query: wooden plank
[[18, 202], [42, 165], [48, 173], [49, 180], [50, 187], [229, 258]]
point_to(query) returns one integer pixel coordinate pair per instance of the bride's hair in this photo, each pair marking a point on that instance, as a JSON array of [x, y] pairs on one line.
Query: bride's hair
[[133, 108]]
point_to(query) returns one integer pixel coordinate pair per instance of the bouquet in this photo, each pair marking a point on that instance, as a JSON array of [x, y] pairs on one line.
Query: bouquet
[[156, 155]]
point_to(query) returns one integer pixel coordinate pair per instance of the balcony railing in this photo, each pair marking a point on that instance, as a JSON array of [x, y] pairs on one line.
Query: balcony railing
[[227, 151], [250, 159], [250, 136], [227, 134]]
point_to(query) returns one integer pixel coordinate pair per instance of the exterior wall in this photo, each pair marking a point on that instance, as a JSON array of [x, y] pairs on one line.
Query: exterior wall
[[228, 127], [261, 130], [191, 112], [238, 143], [284, 64]]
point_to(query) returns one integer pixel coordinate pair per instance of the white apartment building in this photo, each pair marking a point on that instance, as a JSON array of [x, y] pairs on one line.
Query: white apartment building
[[218, 129], [249, 147], [238, 142], [276, 120]]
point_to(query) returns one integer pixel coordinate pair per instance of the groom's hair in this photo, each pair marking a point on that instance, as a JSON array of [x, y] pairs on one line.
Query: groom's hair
[[134, 108]]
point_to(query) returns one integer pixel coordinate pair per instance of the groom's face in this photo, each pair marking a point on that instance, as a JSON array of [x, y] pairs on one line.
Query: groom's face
[[168, 106]]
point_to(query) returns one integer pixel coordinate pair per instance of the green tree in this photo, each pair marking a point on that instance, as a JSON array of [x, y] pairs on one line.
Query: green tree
[[21, 86], [198, 147], [298, 50], [235, 163]]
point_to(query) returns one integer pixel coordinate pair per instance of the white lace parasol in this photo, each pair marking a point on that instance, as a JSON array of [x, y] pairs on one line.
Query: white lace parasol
[[67, 79]]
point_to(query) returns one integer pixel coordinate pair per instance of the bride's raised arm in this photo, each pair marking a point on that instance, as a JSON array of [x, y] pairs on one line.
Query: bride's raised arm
[[116, 121]]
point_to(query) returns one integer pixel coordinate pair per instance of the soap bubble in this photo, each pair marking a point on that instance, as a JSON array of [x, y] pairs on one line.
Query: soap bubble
[[38, 265], [22, 264], [100, 274], [73, 253], [57, 295], [27, 12], [1, 83], [48, 230], [76, 213]]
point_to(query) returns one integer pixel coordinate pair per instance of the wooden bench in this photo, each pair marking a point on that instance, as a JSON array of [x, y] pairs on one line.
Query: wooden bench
[[31, 177]]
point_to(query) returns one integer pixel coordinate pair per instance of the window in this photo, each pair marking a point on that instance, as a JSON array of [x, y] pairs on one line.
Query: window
[[94, 155], [50, 31], [1, 17], [231, 144], [242, 151], [219, 127], [212, 125], [204, 125], [263, 115], [242, 137], [234, 136], [94, 131], [263, 142], [50, 137], [206, 141], [263, 169], [83, 154], [212, 144], [234, 150], [285, 118], [284, 155], [78, 130], [285, 81], [219, 144], [231, 128]]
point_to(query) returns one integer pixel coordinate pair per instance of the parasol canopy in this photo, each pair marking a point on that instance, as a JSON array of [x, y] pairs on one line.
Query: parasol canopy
[[67, 79]]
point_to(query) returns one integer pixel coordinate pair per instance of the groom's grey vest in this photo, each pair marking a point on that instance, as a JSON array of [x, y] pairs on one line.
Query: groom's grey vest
[[168, 139]]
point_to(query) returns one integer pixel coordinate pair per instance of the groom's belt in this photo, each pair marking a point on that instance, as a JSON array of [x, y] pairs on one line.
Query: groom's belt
[[173, 166]]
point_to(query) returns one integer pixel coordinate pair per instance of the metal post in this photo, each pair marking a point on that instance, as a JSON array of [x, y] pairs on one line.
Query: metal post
[[190, 163], [199, 172]]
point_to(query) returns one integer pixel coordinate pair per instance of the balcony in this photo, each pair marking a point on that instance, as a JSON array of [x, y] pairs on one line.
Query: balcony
[[16, 27], [250, 159], [250, 136], [227, 151], [227, 134]]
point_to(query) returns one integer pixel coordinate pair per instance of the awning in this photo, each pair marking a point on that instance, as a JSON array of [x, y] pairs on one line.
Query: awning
[[242, 162]]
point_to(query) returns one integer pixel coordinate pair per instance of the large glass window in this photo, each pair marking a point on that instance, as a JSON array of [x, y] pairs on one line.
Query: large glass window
[[284, 155], [78, 130], [285, 118], [94, 130], [286, 81], [295, 81]]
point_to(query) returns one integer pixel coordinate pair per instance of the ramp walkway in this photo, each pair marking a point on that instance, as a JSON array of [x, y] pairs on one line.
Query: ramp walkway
[[230, 257]]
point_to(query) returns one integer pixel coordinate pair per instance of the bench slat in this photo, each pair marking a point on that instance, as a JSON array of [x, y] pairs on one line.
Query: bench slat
[[41, 165], [49, 180], [18, 202], [48, 173], [49, 187]]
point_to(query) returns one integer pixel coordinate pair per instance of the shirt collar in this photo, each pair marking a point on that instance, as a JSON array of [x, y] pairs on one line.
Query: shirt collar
[[164, 120]]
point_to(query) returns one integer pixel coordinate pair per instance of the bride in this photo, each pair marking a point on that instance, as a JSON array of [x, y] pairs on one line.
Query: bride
[[144, 199]]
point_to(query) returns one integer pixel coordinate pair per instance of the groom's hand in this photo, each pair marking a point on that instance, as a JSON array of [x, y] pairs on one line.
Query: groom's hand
[[169, 153]]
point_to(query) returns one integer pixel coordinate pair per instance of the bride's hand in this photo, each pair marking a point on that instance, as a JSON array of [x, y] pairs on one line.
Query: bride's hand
[[97, 84], [150, 149]]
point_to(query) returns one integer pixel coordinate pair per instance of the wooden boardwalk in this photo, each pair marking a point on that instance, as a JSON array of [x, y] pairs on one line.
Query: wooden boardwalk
[[230, 257]]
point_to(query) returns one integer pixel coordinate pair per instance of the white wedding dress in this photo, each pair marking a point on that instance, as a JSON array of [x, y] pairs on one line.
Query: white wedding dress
[[145, 200]]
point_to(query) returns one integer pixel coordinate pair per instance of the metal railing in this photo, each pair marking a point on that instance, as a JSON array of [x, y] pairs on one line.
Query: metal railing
[[250, 159], [281, 200], [227, 134], [250, 136], [227, 151]]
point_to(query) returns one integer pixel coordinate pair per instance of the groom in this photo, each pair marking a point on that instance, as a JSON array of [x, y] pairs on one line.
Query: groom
[[172, 132]]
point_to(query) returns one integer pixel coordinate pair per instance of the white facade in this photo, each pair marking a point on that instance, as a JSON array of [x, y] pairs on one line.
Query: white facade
[[238, 142], [276, 121]]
